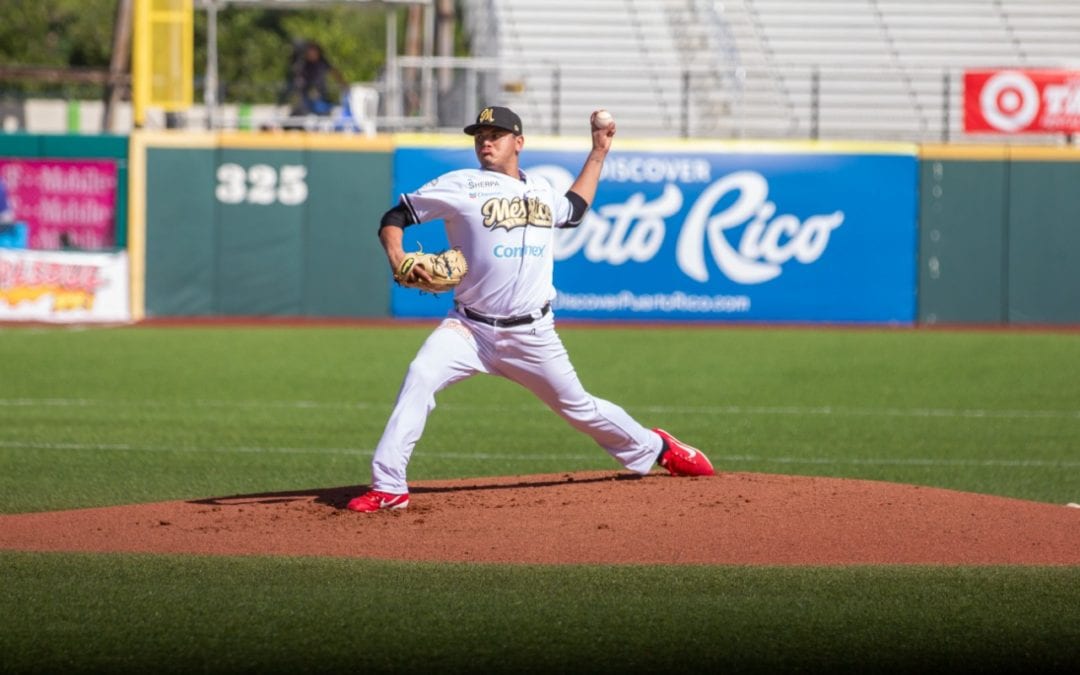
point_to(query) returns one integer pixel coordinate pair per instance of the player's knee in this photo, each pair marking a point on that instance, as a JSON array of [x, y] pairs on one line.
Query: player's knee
[[420, 377], [581, 411]]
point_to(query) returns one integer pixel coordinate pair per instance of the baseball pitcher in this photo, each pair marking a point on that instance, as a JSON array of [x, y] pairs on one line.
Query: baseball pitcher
[[502, 222]]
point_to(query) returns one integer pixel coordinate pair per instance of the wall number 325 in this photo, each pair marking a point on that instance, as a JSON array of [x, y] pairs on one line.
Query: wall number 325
[[262, 184]]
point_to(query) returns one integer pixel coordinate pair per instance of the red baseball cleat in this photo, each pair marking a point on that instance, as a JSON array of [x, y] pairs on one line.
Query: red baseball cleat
[[376, 500], [682, 459]]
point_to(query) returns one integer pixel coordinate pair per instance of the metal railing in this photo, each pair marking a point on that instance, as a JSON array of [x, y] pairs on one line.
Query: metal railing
[[812, 102], [819, 102]]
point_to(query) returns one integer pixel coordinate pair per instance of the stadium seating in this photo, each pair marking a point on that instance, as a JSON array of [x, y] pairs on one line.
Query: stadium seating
[[565, 58], [888, 69]]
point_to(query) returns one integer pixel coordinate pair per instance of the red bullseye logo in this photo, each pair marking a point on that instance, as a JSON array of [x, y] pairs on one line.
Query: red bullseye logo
[[1009, 101]]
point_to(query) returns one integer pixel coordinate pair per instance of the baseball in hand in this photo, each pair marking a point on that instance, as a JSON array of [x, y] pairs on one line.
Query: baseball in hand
[[602, 119]]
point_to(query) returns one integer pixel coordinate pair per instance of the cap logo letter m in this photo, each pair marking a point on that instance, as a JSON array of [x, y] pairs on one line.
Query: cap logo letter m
[[486, 115]]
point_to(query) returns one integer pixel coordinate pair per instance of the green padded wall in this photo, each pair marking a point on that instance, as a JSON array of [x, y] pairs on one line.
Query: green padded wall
[[265, 231], [963, 207], [1044, 242], [20, 145], [260, 264], [72, 145], [346, 270], [181, 241]]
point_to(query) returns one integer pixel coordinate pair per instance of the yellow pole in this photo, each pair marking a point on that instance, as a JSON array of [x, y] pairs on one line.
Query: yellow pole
[[140, 58], [162, 59]]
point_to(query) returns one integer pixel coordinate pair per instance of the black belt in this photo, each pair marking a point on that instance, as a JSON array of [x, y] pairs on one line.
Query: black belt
[[506, 322]]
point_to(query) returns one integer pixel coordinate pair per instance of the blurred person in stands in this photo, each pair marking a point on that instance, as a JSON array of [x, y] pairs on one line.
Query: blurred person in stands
[[307, 84]]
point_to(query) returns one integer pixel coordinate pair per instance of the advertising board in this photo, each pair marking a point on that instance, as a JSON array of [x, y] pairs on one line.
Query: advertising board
[[66, 203], [59, 287], [1021, 101], [800, 236]]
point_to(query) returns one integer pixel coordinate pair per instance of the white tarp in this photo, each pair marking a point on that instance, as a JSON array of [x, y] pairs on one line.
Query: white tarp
[[64, 287]]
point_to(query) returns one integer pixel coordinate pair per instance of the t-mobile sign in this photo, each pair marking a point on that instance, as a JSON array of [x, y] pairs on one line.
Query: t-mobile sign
[[66, 203]]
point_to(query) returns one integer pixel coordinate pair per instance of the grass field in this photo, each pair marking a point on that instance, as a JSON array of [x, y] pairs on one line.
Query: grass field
[[115, 416]]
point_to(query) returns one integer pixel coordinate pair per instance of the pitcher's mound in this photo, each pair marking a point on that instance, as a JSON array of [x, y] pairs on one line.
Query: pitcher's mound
[[597, 517]]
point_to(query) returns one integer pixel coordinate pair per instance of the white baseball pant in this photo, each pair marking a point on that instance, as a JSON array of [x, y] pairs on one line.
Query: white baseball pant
[[531, 355]]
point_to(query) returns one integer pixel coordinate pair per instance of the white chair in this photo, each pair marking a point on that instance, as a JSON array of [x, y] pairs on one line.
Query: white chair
[[360, 107]]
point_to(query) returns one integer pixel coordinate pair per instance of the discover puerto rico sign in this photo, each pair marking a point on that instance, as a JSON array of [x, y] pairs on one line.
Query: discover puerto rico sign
[[797, 236]]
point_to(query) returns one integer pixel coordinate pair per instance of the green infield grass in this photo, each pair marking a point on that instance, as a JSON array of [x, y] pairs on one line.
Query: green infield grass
[[122, 415], [114, 416]]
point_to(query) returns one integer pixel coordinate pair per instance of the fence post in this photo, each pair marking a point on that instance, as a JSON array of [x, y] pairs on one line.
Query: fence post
[[243, 117], [74, 116], [555, 105], [472, 93], [686, 103], [815, 102], [946, 85]]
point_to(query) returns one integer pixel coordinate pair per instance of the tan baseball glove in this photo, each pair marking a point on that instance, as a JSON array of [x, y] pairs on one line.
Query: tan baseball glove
[[446, 269]]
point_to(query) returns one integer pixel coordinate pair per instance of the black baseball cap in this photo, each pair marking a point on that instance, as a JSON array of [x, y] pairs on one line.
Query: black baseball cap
[[495, 116]]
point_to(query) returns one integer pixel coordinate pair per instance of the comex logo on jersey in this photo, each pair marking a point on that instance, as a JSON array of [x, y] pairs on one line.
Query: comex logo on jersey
[[526, 251]]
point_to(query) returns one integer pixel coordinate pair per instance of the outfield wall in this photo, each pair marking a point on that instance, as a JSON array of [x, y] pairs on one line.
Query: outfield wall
[[256, 224], [999, 235], [239, 224]]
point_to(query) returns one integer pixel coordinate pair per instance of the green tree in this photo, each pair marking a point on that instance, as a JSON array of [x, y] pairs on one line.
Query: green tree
[[55, 33], [254, 44]]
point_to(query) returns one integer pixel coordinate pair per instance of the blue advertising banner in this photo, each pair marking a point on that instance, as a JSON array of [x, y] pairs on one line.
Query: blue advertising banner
[[711, 235]]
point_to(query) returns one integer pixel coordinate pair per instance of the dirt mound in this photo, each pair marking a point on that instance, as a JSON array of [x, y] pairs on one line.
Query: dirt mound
[[734, 518]]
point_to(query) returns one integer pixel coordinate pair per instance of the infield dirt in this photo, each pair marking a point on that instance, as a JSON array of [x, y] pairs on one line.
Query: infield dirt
[[595, 517]]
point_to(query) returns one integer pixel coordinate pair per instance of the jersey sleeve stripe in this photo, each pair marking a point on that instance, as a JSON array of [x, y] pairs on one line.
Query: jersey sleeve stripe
[[578, 208], [408, 205]]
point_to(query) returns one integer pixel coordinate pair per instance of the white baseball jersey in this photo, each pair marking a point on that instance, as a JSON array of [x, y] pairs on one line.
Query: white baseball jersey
[[505, 228]]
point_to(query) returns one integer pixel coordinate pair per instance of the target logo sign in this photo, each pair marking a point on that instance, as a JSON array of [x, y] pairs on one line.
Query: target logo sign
[[1009, 101], [1021, 101]]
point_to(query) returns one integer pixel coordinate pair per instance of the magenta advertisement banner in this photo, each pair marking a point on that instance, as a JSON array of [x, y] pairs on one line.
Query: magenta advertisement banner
[[66, 203]]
